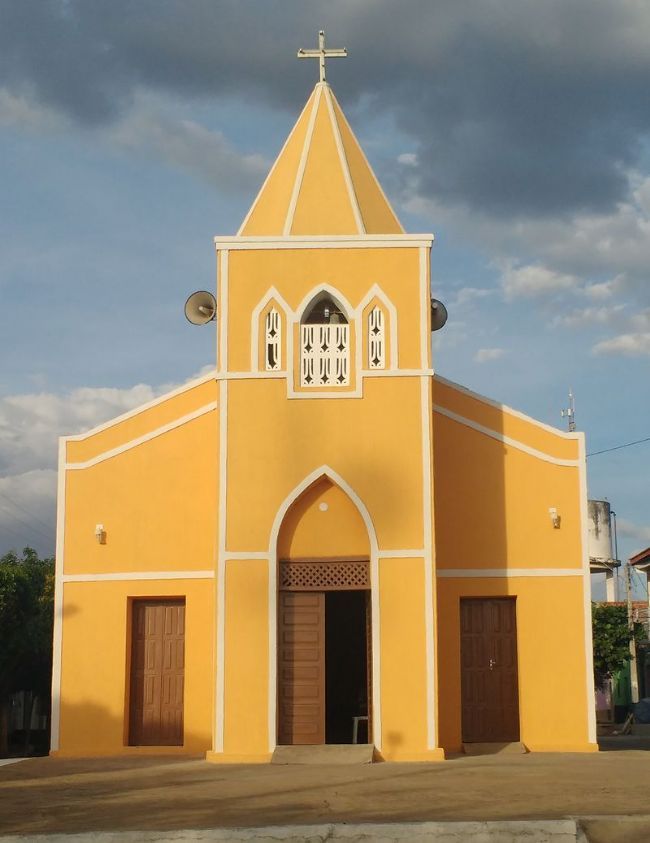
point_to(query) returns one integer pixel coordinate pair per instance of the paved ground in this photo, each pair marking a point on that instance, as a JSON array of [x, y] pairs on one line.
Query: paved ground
[[58, 795]]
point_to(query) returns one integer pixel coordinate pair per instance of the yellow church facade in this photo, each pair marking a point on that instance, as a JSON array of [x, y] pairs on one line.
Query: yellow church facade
[[322, 541]]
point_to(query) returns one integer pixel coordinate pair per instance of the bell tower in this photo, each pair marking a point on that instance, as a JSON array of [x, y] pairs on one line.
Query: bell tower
[[324, 367]]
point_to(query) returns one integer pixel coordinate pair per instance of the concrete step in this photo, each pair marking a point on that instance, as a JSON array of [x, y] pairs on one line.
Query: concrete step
[[324, 754], [512, 748]]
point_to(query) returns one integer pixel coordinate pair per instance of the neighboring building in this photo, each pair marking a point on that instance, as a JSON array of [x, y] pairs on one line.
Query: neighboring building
[[601, 553], [641, 562], [321, 530]]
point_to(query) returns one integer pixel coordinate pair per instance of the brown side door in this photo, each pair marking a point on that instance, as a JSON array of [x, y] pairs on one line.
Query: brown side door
[[301, 667], [489, 681], [157, 673]]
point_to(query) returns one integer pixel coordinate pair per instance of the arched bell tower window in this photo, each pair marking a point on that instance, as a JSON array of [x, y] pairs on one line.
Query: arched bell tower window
[[324, 343], [272, 339]]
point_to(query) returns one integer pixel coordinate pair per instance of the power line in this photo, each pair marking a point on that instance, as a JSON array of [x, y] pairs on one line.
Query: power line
[[618, 447], [33, 527], [6, 527], [31, 514]]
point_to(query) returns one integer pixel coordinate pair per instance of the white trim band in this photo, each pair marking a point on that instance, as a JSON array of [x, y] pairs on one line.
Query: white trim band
[[342, 241], [507, 573], [302, 164], [245, 554], [106, 455], [506, 409], [120, 576], [507, 440], [179, 390]]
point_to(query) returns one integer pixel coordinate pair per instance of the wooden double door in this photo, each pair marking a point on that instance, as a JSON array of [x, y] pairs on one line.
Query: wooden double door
[[157, 673], [323, 664], [489, 677]]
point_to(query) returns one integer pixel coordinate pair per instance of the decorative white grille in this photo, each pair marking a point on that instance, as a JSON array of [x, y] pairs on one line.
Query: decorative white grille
[[325, 355], [376, 339], [272, 340]]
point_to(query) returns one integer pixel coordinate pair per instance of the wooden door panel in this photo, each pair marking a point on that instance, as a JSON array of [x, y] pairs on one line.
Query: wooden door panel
[[157, 672], [489, 681], [301, 667]]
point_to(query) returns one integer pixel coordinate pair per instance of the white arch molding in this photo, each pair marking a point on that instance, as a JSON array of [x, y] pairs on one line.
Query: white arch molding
[[335, 477]]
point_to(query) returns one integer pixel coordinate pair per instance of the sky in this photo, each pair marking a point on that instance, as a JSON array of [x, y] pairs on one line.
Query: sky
[[133, 131]]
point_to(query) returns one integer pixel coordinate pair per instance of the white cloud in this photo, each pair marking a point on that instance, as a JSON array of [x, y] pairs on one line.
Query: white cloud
[[535, 280], [189, 146], [409, 159], [599, 258], [629, 345], [24, 113], [604, 289], [150, 129], [485, 355], [30, 423], [599, 254], [641, 321], [468, 294], [582, 317]]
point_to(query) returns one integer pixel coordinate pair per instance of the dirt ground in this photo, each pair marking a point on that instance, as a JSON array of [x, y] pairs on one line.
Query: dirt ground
[[58, 795]]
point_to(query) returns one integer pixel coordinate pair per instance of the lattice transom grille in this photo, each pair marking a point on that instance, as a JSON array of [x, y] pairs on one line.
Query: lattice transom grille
[[324, 576]]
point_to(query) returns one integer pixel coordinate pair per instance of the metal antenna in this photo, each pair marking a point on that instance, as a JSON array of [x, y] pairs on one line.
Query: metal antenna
[[570, 412], [321, 54]]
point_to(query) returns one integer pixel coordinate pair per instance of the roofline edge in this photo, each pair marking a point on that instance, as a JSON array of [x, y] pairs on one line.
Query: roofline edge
[[323, 241]]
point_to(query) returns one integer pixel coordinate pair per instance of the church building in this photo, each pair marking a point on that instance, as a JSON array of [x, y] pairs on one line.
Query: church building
[[323, 540]]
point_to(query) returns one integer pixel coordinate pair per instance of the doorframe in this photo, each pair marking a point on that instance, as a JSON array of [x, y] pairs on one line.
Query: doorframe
[[368, 639], [131, 603], [512, 599], [335, 477]]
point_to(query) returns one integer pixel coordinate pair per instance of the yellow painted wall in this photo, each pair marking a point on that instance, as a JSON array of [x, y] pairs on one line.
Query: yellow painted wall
[[94, 687], [552, 670], [403, 674], [276, 449], [246, 659], [321, 209], [157, 503], [309, 531], [492, 504]]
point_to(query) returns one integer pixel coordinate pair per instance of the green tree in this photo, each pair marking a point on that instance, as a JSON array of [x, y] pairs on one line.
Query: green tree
[[26, 619], [612, 636]]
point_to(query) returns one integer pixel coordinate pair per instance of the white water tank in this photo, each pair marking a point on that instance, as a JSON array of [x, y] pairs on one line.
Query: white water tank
[[600, 531]]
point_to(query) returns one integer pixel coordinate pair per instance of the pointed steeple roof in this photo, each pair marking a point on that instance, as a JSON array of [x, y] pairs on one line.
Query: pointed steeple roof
[[321, 182]]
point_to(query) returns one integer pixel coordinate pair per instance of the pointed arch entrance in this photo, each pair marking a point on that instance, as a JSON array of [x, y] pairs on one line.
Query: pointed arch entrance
[[324, 619]]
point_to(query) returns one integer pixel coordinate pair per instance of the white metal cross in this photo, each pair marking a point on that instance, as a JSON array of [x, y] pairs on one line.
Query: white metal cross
[[321, 54]]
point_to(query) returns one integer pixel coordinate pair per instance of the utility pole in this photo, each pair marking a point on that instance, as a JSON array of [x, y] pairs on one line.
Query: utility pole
[[634, 678], [570, 412]]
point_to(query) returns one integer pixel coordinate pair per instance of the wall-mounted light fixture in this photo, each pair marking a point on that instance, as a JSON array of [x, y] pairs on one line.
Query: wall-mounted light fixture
[[100, 533], [556, 519]]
